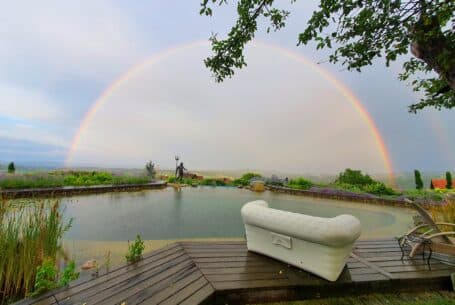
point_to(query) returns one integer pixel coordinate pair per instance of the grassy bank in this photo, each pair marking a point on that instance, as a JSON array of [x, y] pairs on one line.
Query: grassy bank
[[349, 181], [402, 298], [67, 178], [354, 181], [30, 234]]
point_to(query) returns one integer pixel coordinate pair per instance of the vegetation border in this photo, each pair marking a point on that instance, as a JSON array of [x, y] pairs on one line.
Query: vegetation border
[[78, 190]]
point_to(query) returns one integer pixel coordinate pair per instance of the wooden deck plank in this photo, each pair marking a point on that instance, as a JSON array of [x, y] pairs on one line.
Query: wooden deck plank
[[219, 254], [150, 260], [248, 269], [394, 263], [424, 274], [224, 259], [114, 278], [376, 246], [240, 244], [255, 284], [147, 289], [102, 290], [369, 277], [205, 295], [400, 269], [174, 292], [184, 293], [372, 266], [244, 276], [193, 273], [377, 250]]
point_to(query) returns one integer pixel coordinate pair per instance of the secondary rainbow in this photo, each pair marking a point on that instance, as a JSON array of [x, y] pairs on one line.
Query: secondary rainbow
[[123, 79]]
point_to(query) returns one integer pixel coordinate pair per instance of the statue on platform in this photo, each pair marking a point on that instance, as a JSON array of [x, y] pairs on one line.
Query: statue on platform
[[179, 171]]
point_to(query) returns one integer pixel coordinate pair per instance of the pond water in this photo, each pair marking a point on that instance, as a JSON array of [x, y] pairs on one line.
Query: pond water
[[207, 212], [105, 222]]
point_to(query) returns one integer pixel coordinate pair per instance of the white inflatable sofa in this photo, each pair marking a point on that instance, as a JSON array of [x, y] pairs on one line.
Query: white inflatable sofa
[[315, 244]]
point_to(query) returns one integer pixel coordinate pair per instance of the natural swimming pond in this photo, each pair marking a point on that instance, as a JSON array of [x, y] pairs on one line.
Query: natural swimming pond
[[104, 222], [207, 212]]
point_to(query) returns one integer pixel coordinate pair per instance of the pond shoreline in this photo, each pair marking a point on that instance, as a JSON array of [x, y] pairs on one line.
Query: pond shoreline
[[68, 191], [78, 190], [345, 197]]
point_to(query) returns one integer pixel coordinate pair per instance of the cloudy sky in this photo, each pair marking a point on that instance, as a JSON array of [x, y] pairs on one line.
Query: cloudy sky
[[283, 112]]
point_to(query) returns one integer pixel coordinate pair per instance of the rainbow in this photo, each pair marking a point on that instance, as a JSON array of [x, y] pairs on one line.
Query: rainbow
[[123, 79]]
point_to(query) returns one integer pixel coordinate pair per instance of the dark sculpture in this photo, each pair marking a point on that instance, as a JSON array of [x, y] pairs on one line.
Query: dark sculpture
[[179, 171]]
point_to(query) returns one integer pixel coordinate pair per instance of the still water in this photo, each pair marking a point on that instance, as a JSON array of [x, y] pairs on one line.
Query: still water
[[207, 212]]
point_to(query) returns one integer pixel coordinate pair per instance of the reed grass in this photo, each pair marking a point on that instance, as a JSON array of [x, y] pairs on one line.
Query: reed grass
[[445, 212], [29, 234]]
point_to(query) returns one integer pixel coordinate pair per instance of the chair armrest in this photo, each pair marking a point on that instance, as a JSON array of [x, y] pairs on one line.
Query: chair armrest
[[445, 224], [438, 235], [416, 228]]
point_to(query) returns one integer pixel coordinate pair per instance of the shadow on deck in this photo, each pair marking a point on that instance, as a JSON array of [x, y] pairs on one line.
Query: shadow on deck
[[226, 273]]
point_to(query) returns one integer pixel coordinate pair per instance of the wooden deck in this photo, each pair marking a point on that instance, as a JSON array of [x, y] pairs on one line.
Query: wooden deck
[[226, 273]]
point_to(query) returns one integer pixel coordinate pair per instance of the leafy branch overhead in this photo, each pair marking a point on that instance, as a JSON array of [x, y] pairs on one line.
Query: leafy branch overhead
[[358, 31]]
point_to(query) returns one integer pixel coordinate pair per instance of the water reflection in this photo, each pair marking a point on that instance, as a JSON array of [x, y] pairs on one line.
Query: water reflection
[[207, 212]]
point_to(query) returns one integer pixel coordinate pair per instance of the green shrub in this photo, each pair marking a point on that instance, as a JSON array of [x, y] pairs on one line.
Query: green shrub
[[378, 188], [300, 183], [46, 276], [245, 179], [354, 177], [150, 168], [135, 250], [426, 195], [88, 178], [130, 180], [69, 274], [47, 273], [59, 179], [213, 182], [355, 181], [189, 181], [349, 187]]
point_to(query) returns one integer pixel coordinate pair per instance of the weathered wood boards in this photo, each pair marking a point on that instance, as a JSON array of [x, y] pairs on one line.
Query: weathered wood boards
[[226, 273]]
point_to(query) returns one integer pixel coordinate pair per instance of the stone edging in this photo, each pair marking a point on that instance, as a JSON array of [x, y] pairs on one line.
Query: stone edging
[[347, 197], [78, 190]]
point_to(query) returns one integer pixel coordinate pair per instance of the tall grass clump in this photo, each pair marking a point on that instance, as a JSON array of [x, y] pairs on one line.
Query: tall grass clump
[[30, 234], [445, 212]]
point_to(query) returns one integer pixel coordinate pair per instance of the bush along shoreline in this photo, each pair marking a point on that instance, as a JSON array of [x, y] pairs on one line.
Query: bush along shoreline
[[67, 178]]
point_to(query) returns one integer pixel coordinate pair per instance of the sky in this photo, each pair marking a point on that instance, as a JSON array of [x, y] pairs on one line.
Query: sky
[[142, 61]]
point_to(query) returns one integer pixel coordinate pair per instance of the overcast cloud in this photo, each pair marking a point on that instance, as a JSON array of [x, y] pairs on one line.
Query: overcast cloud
[[57, 57]]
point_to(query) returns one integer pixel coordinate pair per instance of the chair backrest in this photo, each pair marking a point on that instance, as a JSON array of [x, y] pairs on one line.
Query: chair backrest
[[426, 217]]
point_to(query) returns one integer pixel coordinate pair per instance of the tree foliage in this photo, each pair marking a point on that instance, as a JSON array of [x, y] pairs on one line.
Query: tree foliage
[[11, 168], [359, 31], [448, 180], [354, 177], [150, 168], [418, 180]]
